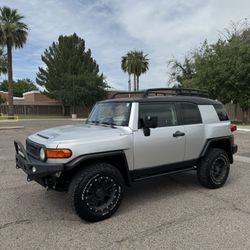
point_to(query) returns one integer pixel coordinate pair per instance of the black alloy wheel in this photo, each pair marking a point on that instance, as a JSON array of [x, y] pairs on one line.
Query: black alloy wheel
[[96, 192]]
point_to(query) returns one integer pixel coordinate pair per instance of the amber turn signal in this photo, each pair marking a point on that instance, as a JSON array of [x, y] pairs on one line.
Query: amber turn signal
[[58, 153]]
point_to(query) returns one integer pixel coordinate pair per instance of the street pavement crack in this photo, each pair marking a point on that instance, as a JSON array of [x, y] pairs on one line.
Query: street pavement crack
[[231, 205], [167, 224], [13, 223], [29, 221]]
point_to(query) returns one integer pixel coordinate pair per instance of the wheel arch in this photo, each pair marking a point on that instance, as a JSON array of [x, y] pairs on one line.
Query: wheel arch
[[224, 143], [115, 158]]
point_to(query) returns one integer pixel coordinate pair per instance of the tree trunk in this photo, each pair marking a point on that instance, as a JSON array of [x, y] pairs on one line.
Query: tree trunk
[[10, 81], [129, 82], [74, 102], [63, 110], [137, 87], [134, 82]]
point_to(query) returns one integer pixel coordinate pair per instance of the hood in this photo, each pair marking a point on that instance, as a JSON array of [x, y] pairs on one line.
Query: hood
[[80, 132]]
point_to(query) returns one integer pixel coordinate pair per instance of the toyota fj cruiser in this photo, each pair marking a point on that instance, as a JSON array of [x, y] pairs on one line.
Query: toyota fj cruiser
[[163, 131]]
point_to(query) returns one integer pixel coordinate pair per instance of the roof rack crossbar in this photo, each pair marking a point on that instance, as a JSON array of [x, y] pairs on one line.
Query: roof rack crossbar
[[164, 92], [132, 93], [177, 91]]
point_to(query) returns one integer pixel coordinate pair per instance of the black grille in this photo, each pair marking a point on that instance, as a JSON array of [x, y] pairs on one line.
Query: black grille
[[33, 149]]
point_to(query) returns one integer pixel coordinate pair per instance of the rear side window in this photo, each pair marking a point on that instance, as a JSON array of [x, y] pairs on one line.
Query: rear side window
[[222, 114], [165, 112], [190, 114]]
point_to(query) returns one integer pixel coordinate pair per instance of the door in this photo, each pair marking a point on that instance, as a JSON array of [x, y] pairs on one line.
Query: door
[[163, 146], [194, 130]]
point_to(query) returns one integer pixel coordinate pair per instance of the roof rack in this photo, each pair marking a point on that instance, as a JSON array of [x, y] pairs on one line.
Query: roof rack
[[164, 92], [129, 94], [176, 91]]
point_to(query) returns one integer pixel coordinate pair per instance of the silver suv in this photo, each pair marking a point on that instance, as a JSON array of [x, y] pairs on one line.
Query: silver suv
[[125, 140]]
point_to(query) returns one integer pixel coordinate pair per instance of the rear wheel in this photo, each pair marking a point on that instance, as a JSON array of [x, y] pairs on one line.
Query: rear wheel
[[96, 192], [214, 168]]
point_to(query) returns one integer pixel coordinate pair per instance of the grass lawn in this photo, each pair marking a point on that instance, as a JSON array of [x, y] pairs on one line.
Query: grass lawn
[[47, 117], [32, 117]]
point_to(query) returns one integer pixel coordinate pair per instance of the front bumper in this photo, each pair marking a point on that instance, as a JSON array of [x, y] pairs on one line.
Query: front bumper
[[34, 169]]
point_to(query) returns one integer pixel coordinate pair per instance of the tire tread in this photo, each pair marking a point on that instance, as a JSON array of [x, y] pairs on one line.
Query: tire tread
[[83, 176], [205, 163]]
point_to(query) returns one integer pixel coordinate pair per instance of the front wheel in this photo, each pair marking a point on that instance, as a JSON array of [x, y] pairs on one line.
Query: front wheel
[[214, 168], [96, 192]]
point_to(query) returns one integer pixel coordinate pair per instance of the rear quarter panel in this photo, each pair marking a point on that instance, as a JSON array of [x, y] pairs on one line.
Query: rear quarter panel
[[213, 126]]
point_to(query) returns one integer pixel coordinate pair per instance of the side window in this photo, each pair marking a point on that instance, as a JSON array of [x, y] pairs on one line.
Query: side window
[[222, 114], [190, 114], [165, 112]]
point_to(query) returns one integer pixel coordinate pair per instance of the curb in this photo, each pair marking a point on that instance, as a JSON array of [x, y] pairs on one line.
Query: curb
[[8, 128], [53, 119], [243, 129], [242, 159]]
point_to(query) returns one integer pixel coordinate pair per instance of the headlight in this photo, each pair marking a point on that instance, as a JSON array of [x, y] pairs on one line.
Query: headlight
[[42, 154]]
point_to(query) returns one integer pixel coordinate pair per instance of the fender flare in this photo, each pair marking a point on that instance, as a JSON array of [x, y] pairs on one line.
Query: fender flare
[[95, 156], [218, 139]]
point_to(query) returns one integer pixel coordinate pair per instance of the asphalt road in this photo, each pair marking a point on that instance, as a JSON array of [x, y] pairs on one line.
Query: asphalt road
[[165, 213]]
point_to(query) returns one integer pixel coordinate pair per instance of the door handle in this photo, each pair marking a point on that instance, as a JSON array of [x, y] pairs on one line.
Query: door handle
[[178, 133]]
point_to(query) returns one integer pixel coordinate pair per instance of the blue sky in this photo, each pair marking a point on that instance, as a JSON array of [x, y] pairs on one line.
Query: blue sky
[[163, 29]]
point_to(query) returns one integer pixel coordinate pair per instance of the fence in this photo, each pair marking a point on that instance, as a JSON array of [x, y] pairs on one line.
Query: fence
[[236, 114], [234, 111], [53, 110]]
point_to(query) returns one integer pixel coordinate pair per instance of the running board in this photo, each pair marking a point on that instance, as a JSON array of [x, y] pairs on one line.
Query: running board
[[165, 173]]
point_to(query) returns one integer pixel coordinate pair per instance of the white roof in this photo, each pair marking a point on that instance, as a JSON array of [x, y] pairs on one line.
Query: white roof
[[32, 92], [18, 98]]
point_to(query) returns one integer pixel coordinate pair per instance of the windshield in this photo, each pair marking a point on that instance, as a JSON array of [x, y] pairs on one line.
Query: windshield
[[110, 113]]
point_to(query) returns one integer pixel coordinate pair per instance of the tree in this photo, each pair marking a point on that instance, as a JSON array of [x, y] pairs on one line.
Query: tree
[[3, 62], [19, 87], [70, 74], [141, 65], [13, 34], [2, 100], [126, 65], [136, 63], [223, 68]]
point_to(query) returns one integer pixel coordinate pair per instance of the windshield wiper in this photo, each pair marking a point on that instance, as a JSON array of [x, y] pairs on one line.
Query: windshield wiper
[[112, 125], [93, 122]]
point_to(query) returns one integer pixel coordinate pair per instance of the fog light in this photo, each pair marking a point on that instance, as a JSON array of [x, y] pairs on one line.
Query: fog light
[[42, 154], [33, 169]]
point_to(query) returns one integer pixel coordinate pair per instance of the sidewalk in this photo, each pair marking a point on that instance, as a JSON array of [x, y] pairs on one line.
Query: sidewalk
[[243, 128]]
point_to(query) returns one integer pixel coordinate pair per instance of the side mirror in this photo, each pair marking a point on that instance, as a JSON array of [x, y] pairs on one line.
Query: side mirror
[[149, 122]]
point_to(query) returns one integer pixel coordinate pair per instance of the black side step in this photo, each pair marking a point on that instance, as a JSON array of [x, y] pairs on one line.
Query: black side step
[[165, 173]]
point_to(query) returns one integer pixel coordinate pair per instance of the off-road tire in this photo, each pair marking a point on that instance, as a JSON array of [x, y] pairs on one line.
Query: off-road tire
[[101, 174], [206, 172]]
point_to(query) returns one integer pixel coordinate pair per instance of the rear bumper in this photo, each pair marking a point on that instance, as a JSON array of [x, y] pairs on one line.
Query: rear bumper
[[34, 169], [234, 149]]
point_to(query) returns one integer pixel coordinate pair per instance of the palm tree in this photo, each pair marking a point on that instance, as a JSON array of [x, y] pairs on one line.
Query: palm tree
[[141, 65], [126, 65], [13, 34], [3, 62], [136, 63]]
